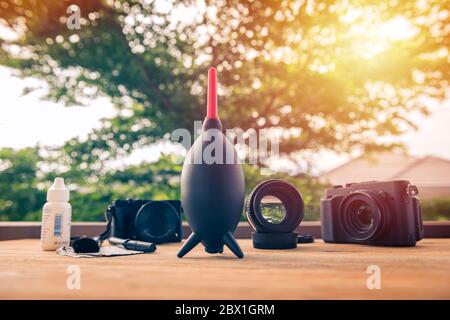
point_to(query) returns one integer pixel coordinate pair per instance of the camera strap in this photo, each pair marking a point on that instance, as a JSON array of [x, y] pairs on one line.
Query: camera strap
[[108, 216]]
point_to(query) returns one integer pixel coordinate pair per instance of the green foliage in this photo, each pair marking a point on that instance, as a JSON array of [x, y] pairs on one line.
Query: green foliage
[[436, 209], [20, 192]]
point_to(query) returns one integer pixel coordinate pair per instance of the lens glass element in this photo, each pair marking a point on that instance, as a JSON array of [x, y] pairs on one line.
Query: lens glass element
[[272, 209], [158, 224], [361, 215], [156, 221]]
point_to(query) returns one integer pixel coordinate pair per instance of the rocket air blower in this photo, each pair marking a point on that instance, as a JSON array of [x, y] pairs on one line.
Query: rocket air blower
[[212, 185]]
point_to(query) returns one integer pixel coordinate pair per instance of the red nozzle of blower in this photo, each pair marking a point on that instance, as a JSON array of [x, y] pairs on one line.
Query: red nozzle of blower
[[212, 94]]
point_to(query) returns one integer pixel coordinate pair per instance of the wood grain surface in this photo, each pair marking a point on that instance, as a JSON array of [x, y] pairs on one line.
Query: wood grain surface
[[312, 271]]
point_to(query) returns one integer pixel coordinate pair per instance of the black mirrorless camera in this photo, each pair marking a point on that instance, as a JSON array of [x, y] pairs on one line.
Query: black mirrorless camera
[[146, 220], [378, 213]]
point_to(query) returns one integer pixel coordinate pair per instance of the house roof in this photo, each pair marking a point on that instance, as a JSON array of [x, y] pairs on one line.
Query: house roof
[[426, 171]]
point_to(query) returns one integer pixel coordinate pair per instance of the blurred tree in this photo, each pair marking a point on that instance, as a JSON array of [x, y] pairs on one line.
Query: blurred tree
[[334, 74]]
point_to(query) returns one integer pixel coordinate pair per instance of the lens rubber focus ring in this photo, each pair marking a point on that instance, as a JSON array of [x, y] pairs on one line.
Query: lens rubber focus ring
[[250, 216]]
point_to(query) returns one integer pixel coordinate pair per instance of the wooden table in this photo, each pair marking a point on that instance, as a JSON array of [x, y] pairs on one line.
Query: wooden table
[[313, 271]]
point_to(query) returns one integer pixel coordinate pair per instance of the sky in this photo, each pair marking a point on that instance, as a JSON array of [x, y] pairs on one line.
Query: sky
[[28, 120]]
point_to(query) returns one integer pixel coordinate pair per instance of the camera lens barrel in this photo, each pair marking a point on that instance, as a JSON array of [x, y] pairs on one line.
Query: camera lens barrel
[[274, 221], [290, 199]]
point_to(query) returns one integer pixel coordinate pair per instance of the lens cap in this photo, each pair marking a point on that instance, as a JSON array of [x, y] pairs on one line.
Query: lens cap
[[85, 244], [305, 238], [271, 241]]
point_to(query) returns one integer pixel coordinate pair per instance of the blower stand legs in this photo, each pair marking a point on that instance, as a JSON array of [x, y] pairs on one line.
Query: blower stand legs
[[231, 243], [194, 239]]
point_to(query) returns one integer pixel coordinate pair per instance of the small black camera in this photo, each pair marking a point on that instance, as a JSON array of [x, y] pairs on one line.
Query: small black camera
[[377, 213], [146, 220]]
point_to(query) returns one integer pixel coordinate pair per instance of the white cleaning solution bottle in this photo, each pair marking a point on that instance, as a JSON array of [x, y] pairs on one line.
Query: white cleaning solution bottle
[[56, 217]]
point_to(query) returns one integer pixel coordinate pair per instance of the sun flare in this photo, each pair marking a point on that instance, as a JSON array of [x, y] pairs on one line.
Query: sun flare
[[372, 36]]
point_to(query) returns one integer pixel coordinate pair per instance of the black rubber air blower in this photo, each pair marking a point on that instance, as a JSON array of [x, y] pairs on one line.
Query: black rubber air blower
[[212, 184]]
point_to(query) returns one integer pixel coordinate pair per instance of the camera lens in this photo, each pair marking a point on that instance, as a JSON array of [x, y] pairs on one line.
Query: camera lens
[[364, 214], [156, 222], [274, 206]]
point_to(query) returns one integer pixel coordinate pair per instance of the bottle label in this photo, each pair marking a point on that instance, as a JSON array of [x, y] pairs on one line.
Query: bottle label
[[57, 231]]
